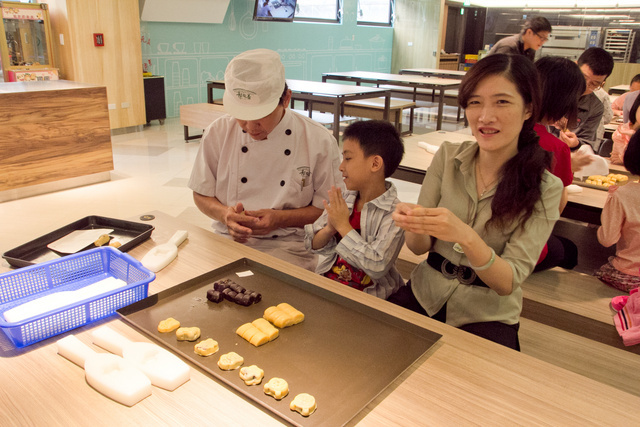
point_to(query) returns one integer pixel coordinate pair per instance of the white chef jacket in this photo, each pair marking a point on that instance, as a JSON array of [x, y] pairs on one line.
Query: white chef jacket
[[294, 167]]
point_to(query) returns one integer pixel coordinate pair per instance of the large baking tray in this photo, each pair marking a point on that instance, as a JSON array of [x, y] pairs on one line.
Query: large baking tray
[[344, 353], [129, 233]]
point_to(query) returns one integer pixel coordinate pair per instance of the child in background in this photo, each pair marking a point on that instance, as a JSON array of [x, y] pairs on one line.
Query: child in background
[[624, 132], [356, 237], [621, 225]]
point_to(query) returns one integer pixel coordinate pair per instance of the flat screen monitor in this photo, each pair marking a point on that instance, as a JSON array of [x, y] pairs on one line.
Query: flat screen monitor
[[274, 10]]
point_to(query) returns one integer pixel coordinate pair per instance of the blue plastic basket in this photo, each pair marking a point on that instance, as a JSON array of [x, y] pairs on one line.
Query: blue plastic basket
[[70, 273]]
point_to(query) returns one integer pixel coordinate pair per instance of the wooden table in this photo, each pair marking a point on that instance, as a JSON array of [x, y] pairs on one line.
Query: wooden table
[[412, 81], [462, 380], [328, 93], [585, 206], [434, 72]]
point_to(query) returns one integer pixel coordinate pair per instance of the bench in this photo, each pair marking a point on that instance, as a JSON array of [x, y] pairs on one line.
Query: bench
[[199, 116], [426, 97], [374, 109]]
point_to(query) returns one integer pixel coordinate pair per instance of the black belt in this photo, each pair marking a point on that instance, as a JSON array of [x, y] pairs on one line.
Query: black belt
[[465, 275]]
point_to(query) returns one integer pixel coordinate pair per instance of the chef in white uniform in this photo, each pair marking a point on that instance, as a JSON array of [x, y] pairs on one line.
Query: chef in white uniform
[[262, 171]]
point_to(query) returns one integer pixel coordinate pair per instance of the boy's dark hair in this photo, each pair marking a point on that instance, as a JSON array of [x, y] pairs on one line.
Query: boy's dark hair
[[635, 79], [631, 157], [378, 138], [537, 24], [561, 84], [599, 60]]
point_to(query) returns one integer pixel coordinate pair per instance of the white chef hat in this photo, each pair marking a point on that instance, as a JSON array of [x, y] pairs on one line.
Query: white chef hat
[[254, 83]]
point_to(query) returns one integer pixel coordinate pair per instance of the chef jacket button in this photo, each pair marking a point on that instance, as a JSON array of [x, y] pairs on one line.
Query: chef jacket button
[[245, 149], [274, 236], [288, 131], [243, 180], [282, 183], [244, 131], [287, 152]]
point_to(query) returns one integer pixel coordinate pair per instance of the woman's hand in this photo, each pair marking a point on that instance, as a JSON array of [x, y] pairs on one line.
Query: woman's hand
[[440, 223]]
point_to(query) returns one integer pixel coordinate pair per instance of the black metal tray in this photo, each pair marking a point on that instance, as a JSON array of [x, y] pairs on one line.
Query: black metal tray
[[344, 353], [129, 233]]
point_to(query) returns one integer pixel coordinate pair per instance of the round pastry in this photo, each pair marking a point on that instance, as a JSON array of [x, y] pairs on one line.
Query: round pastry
[[206, 347], [251, 375], [276, 387], [230, 361], [303, 403], [168, 325], [188, 334]]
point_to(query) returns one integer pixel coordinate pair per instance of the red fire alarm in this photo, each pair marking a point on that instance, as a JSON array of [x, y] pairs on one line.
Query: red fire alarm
[[98, 39]]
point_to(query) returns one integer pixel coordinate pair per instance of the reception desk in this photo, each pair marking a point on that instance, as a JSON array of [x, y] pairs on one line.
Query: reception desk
[[52, 132]]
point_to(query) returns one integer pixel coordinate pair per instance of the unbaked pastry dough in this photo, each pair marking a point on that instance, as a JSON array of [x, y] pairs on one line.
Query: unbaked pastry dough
[[258, 332], [251, 375], [283, 315], [303, 403], [168, 325], [188, 334], [276, 387], [230, 361], [206, 347]]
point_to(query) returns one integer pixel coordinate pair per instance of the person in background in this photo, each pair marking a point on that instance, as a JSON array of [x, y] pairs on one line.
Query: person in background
[[607, 115], [596, 65], [562, 85], [618, 104], [624, 132], [356, 237], [485, 208], [535, 32], [262, 170], [621, 226]]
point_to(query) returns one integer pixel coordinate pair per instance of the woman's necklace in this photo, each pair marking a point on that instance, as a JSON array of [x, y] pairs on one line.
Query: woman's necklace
[[485, 187]]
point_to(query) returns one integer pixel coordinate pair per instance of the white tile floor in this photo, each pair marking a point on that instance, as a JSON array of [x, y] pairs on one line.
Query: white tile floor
[[151, 170]]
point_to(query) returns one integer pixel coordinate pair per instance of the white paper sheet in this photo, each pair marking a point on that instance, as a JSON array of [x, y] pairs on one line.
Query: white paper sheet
[[77, 240]]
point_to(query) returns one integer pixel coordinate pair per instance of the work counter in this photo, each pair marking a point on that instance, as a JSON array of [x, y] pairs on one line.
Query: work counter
[[461, 380], [52, 132]]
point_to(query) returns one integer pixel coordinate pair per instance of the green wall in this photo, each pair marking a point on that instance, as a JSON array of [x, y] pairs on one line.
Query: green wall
[[188, 55]]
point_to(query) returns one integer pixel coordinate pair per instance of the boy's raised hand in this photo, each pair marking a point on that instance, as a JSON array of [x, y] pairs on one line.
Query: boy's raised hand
[[337, 212]]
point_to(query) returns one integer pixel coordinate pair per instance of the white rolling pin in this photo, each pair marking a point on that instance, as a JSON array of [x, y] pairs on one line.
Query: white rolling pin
[[163, 368], [109, 374], [160, 256]]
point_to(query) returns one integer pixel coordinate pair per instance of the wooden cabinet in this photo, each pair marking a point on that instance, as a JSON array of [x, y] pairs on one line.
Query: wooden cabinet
[[154, 99]]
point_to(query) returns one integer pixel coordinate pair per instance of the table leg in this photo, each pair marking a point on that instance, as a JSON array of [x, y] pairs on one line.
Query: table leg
[[440, 110], [336, 120]]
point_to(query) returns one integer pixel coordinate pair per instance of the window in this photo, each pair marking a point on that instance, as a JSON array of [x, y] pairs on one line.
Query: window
[[375, 12], [318, 10]]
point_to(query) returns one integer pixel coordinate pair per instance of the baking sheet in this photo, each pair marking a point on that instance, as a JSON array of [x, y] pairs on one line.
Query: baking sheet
[[129, 233], [344, 353]]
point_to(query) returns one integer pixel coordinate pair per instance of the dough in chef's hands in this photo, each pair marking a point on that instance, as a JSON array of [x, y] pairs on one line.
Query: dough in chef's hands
[[230, 361], [303, 403], [251, 375], [168, 325], [206, 347], [276, 387], [188, 334]]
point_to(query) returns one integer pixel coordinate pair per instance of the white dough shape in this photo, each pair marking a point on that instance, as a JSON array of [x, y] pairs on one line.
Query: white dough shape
[[163, 368], [162, 255], [111, 375]]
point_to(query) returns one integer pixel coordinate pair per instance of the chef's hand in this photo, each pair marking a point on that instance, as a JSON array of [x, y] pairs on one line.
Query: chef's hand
[[238, 223], [265, 221], [337, 212], [569, 138]]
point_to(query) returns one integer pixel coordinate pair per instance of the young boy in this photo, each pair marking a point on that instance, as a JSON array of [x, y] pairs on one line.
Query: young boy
[[356, 238]]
